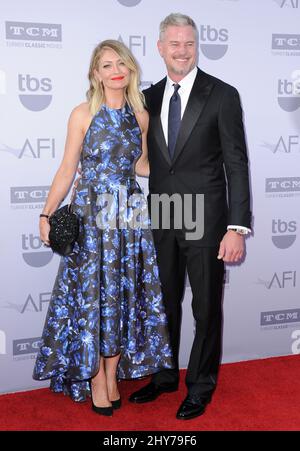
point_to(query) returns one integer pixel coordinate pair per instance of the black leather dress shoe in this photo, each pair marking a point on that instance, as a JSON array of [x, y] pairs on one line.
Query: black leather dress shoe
[[192, 408], [150, 392]]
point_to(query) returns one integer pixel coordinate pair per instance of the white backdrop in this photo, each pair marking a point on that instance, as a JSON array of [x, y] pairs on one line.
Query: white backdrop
[[45, 50]]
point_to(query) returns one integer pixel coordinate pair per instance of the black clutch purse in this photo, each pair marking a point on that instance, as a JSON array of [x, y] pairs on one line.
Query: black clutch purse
[[64, 230]]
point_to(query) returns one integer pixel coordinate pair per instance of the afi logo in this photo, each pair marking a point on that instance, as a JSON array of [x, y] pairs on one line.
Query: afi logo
[[281, 280], [35, 150], [135, 42], [37, 307], [288, 3], [284, 144]]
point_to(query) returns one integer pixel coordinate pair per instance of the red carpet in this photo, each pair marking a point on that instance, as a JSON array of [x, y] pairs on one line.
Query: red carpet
[[254, 395]]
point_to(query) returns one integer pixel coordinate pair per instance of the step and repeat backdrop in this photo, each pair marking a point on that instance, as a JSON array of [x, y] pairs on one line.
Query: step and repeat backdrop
[[45, 50]]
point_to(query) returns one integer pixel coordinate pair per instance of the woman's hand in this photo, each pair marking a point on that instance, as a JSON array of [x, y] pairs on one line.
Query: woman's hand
[[44, 231]]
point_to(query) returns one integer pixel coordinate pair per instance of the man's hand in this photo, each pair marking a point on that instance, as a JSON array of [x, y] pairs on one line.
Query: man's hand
[[232, 247]]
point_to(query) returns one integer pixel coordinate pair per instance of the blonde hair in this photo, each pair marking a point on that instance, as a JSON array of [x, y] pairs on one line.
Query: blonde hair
[[96, 95]]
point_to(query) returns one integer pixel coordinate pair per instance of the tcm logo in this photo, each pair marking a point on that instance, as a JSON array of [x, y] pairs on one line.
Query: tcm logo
[[129, 3], [34, 254], [2, 342], [33, 92], [288, 3], [286, 42], [30, 31], [41, 148], [296, 343], [284, 145], [136, 43], [283, 185], [280, 317], [213, 41], [26, 346], [283, 233], [288, 99], [28, 194]]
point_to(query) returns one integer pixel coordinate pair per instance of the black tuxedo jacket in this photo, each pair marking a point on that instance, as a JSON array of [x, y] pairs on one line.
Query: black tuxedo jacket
[[210, 155]]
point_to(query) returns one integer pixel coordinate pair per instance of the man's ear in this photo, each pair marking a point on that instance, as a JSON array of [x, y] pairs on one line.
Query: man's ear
[[159, 46]]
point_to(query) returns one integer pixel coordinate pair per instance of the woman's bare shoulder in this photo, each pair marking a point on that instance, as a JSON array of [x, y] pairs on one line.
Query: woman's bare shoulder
[[82, 109], [80, 115]]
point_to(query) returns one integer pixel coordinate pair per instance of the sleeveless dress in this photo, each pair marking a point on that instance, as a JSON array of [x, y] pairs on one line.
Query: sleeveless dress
[[107, 296]]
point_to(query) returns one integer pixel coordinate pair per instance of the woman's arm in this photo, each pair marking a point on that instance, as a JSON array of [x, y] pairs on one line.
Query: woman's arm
[[67, 169], [142, 165]]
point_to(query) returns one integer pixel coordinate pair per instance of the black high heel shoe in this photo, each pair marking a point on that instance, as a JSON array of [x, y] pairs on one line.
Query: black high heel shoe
[[116, 404], [107, 411]]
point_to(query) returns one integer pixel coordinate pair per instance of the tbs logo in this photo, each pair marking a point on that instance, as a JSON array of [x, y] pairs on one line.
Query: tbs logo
[[35, 93], [213, 42], [33, 253], [288, 93], [283, 233]]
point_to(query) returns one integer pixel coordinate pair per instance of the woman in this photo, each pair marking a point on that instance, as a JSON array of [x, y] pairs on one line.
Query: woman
[[106, 319]]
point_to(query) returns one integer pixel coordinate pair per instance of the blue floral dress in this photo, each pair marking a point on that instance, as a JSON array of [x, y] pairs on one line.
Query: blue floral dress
[[107, 296]]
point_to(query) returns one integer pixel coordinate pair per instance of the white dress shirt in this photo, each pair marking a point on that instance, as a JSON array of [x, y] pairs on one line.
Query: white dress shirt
[[184, 91]]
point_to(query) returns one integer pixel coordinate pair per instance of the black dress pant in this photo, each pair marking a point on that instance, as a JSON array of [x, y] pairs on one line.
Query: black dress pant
[[176, 255]]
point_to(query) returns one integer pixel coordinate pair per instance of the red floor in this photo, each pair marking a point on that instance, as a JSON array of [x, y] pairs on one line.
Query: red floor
[[253, 395]]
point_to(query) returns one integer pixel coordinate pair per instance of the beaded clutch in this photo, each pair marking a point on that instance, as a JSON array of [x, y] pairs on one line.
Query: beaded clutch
[[64, 230]]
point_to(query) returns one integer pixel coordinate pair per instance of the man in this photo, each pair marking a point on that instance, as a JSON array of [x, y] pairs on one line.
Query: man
[[195, 137]]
